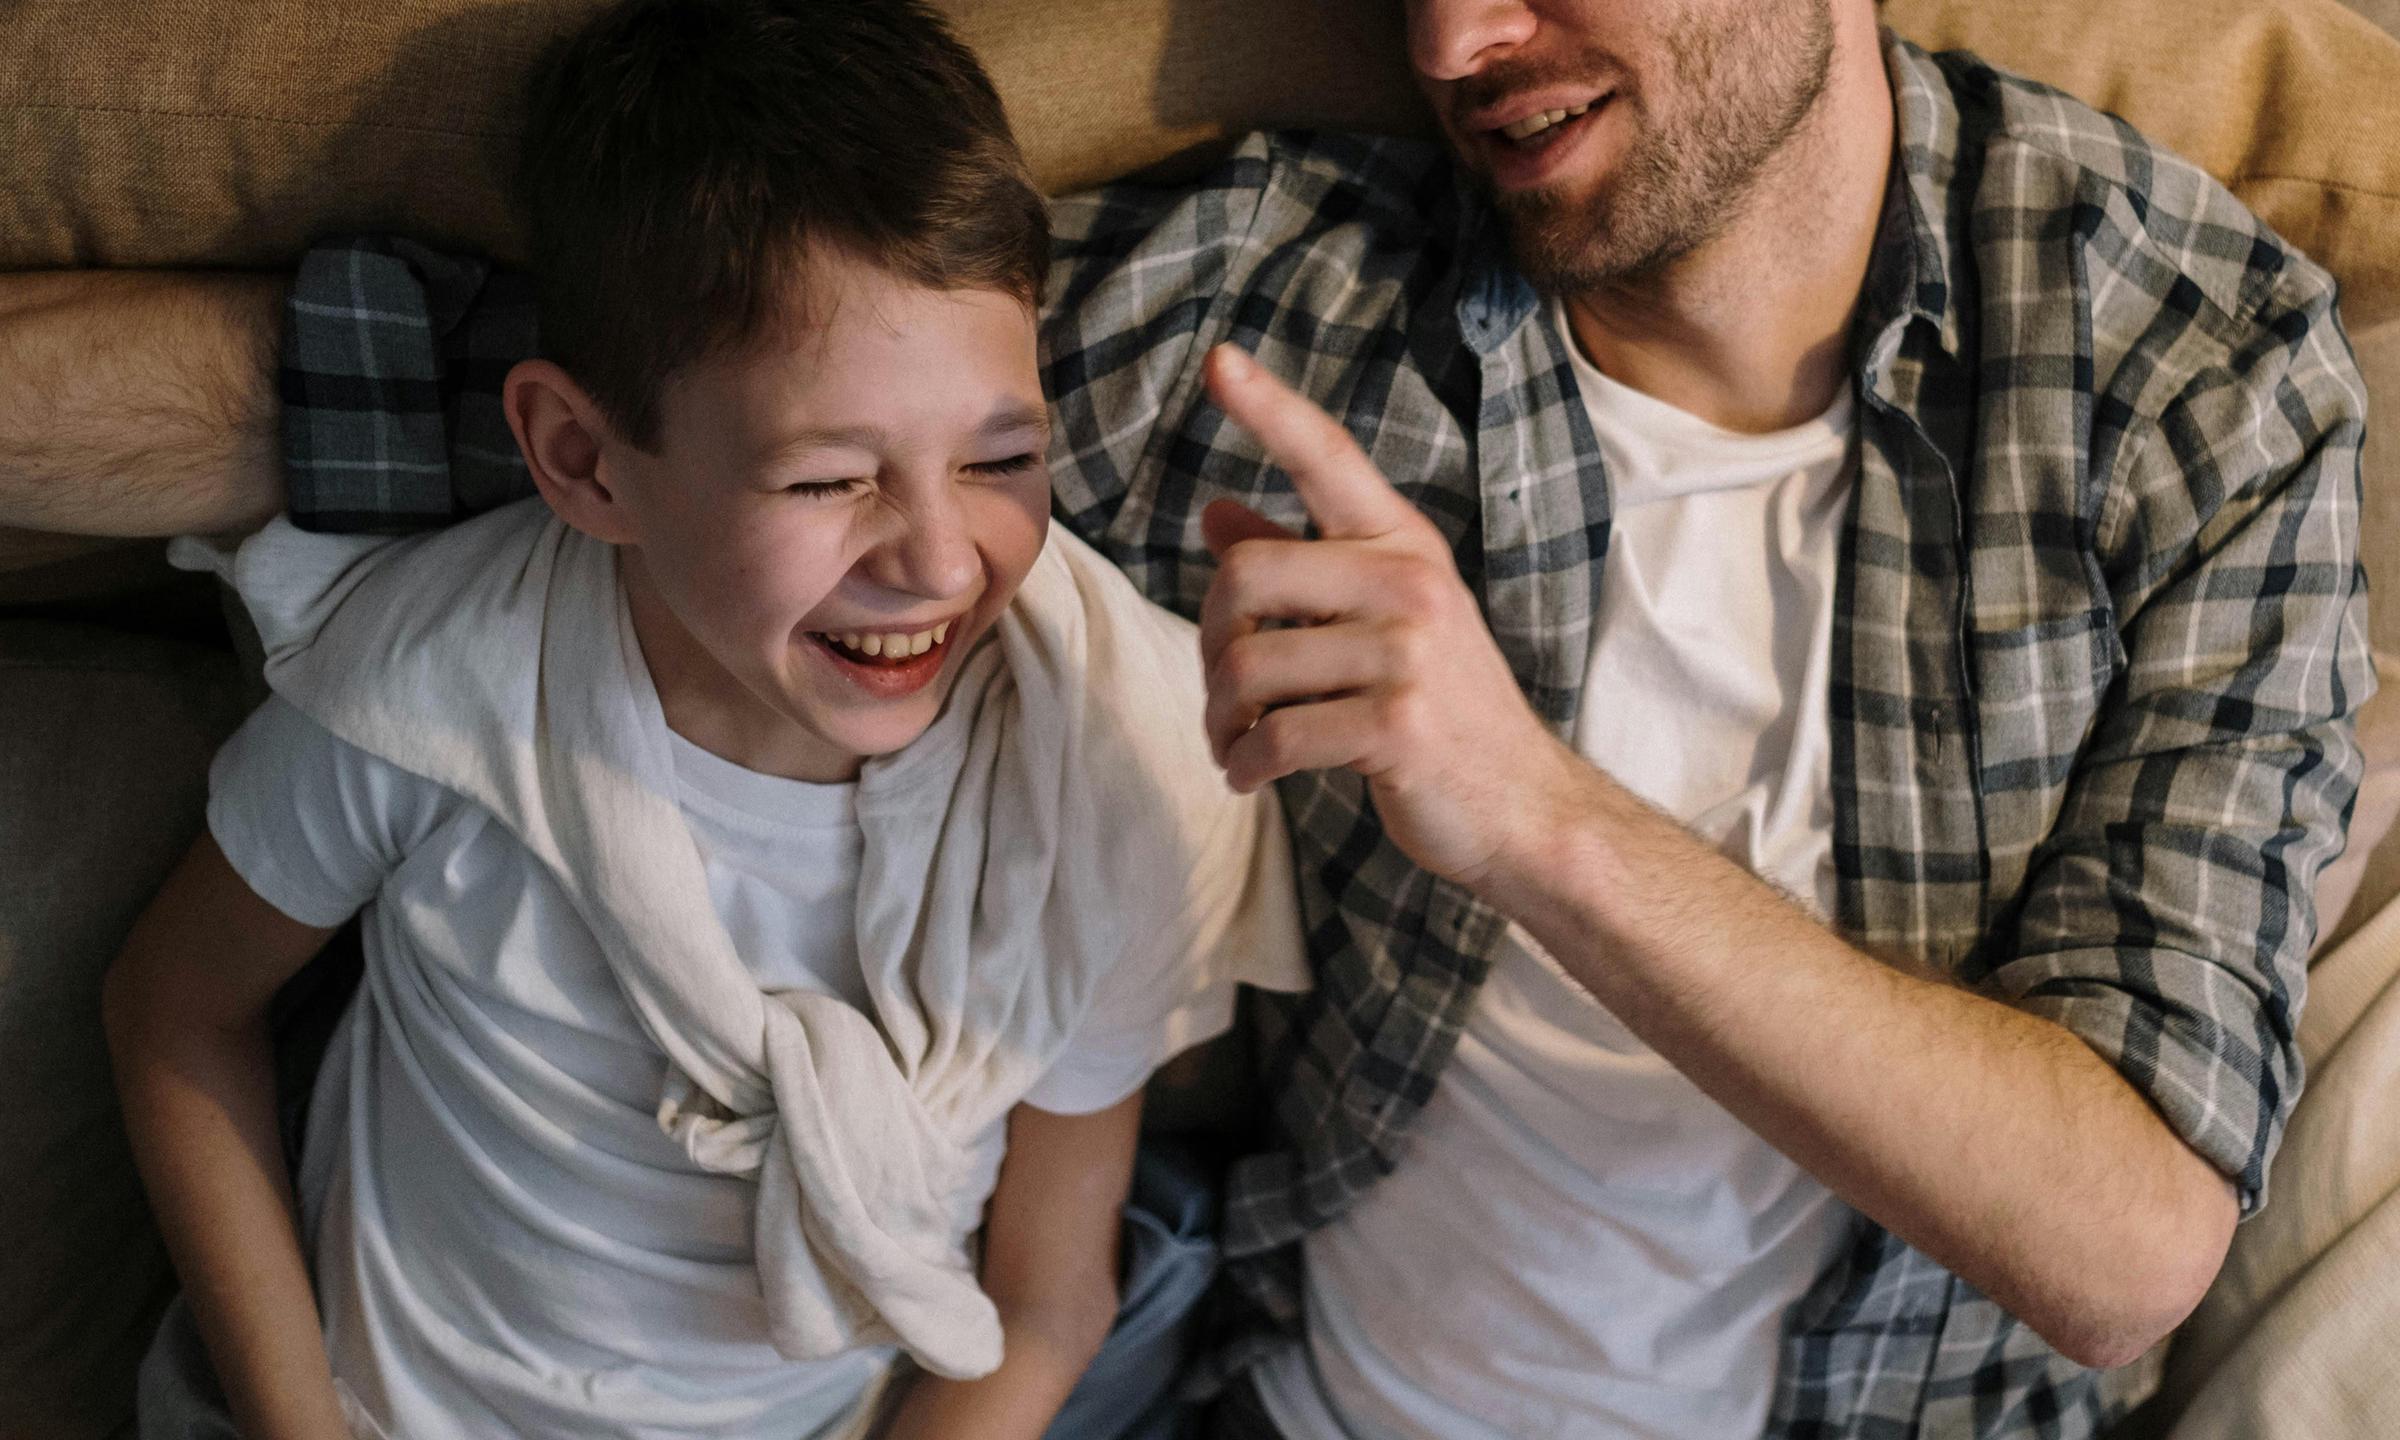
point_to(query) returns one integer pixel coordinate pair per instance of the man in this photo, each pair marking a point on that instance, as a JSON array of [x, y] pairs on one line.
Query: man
[[1807, 814]]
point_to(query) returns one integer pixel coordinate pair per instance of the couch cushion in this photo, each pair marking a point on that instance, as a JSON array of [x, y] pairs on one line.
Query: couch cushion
[[39, 568], [104, 747], [231, 132]]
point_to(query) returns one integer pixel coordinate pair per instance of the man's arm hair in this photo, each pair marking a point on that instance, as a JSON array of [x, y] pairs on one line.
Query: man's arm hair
[[139, 403]]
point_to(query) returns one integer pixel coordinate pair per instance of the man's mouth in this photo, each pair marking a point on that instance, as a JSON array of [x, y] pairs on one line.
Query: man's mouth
[[1530, 149], [883, 649]]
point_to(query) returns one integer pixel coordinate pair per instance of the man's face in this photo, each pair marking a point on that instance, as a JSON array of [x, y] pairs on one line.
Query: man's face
[[1672, 109], [836, 513]]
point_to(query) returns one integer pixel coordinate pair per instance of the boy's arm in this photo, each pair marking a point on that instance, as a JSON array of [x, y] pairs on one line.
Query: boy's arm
[[186, 1012], [1050, 1264], [136, 403]]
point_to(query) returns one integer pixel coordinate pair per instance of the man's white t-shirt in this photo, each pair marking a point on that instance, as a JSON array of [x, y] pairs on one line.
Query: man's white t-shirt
[[1580, 1242], [625, 1305]]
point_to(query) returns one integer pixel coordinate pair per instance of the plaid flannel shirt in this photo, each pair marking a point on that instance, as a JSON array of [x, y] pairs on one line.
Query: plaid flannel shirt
[[2099, 621]]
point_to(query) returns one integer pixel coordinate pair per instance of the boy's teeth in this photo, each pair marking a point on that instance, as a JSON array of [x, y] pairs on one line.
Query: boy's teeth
[[1533, 125], [891, 645]]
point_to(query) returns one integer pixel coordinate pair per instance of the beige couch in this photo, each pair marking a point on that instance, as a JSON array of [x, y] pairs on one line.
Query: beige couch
[[229, 132]]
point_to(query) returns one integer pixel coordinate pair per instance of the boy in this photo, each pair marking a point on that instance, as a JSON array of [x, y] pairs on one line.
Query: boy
[[756, 840]]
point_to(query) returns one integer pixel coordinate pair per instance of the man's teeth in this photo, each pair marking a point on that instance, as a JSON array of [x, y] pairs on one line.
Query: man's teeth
[[1533, 125], [892, 646]]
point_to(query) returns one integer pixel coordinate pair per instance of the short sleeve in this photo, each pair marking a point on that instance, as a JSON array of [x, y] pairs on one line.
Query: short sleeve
[[1240, 927], [311, 823]]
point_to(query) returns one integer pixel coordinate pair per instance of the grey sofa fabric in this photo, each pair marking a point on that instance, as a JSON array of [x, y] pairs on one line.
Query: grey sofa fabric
[[105, 740]]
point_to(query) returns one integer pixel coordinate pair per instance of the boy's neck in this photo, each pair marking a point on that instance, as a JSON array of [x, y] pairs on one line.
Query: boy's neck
[[702, 702]]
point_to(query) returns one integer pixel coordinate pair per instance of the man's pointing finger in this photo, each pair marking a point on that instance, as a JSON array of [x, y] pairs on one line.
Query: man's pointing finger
[[1344, 492]]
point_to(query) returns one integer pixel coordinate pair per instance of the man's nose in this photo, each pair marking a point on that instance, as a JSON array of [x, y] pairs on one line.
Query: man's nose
[[1452, 39], [929, 551]]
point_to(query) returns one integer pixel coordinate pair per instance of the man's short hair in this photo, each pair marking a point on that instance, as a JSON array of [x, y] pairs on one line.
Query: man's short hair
[[683, 157]]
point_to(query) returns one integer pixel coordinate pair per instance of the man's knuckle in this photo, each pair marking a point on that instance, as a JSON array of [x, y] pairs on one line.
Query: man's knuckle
[[1418, 588], [1278, 739], [1238, 669], [1235, 570]]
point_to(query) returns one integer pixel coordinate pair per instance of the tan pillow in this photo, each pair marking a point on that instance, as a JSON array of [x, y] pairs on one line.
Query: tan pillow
[[234, 132], [231, 132]]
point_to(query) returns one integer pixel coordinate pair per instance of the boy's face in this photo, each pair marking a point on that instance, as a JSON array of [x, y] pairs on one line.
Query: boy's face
[[833, 516]]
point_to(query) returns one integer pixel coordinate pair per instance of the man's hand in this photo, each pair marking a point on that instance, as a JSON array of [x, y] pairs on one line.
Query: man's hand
[[1383, 663]]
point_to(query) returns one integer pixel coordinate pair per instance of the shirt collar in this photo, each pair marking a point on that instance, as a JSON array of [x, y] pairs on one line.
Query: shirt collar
[[1494, 297], [1910, 276]]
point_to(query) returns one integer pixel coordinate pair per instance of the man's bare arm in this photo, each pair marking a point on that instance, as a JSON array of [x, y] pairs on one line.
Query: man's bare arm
[[139, 402]]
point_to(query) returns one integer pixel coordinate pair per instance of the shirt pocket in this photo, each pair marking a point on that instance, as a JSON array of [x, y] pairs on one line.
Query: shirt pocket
[[2039, 688]]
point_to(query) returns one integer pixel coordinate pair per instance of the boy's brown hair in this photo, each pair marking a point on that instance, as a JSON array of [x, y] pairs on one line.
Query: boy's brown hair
[[682, 156]]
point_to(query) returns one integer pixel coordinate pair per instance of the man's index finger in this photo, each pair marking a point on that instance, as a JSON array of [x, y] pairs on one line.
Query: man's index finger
[[1346, 495]]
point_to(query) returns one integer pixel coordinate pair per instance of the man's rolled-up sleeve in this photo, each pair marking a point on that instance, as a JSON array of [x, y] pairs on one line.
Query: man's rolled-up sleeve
[[2169, 919], [393, 358]]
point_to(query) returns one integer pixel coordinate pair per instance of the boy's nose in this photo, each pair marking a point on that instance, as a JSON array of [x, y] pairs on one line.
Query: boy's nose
[[1452, 39], [931, 552]]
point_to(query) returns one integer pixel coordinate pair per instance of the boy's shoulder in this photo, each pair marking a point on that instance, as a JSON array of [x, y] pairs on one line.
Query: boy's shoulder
[[1143, 748]]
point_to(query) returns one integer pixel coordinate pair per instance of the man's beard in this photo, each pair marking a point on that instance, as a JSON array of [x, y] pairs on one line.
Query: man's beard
[[1749, 83]]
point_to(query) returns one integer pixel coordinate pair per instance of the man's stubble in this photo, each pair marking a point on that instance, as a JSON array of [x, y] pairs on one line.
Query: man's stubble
[[1743, 85]]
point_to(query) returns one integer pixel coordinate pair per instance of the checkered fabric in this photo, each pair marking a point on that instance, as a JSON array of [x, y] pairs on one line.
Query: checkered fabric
[[2100, 620]]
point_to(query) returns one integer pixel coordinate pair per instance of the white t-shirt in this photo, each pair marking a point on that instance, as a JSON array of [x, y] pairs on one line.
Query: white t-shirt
[[1580, 1242], [624, 1308]]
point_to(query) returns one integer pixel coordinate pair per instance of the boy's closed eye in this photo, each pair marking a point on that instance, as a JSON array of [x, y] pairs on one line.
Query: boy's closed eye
[[1014, 464], [826, 489]]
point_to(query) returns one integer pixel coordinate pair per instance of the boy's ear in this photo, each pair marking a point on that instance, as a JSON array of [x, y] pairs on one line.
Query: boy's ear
[[565, 438]]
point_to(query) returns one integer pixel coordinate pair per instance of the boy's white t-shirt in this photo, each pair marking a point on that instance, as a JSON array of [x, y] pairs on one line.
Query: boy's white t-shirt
[[1581, 1242], [626, 1305]]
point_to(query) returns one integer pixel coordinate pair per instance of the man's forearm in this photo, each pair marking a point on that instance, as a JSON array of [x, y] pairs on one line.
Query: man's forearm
[[1994, 1140], [139, 403]]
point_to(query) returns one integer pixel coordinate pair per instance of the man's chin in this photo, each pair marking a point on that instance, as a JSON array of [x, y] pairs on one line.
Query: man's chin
[[1567, 242]]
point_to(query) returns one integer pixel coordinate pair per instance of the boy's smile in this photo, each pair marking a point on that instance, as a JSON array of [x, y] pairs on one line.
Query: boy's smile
[[834, 515], [889, 663]]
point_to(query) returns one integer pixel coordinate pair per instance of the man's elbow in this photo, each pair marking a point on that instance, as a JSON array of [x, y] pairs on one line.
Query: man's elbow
[[2157, 1271]]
